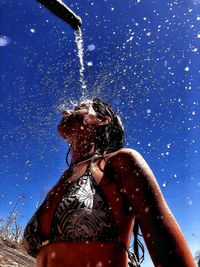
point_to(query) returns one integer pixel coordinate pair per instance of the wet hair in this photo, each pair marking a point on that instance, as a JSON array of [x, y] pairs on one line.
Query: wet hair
[[109, 137]]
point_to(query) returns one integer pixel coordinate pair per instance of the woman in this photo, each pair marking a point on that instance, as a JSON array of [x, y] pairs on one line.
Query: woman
[[88, 217]]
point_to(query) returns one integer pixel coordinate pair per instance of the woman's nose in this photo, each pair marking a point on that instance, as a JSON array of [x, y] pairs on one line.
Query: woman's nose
[[66, 112]]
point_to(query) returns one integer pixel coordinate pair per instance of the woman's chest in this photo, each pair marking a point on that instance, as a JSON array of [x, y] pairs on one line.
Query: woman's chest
[[84, 213]]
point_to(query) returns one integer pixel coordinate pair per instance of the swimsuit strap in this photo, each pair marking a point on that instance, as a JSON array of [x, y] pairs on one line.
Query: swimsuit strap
[[92, 160]]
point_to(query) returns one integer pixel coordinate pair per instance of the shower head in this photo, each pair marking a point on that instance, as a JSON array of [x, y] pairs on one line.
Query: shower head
[[61, 10]]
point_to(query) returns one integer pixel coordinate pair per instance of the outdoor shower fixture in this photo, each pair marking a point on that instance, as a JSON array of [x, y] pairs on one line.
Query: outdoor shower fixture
[[61, 10]]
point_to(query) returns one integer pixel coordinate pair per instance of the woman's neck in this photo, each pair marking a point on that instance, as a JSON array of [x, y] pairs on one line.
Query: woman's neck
[[82, 151]]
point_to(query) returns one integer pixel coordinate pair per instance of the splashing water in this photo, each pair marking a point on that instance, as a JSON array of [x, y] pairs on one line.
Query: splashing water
[[80, 48]]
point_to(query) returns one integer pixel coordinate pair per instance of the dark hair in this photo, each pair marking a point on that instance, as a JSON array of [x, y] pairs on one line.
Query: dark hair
[[109, 137]]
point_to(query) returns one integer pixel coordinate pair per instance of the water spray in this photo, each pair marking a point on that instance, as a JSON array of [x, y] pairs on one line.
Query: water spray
[[61, 10]]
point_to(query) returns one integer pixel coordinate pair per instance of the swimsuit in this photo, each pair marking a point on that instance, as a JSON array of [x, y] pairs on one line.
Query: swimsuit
[[82, 214]]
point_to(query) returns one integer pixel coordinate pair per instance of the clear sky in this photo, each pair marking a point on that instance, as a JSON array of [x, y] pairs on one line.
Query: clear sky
[[140, 56]]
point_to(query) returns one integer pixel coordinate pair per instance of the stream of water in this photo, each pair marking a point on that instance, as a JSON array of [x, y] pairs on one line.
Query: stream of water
[[80, 49]]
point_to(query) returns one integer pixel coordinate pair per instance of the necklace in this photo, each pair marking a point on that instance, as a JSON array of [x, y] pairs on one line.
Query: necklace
[[76, 163]]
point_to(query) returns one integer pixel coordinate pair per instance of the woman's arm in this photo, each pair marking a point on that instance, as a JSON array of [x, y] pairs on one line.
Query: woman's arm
[[162, 235]]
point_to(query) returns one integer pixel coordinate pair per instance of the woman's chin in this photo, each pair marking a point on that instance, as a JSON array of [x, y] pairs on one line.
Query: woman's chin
[[61, 132]]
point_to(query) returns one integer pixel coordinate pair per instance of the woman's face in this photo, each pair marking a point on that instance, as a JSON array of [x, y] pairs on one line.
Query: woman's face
[[79, 122]]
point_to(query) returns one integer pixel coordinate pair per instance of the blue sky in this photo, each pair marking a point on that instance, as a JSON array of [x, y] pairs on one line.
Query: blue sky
[[140, 56]]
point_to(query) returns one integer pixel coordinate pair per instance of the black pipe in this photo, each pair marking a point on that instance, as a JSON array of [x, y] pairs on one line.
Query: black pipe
[[61, 10]]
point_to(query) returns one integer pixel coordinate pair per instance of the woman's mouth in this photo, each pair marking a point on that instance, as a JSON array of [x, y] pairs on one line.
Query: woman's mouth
[[69, 118]]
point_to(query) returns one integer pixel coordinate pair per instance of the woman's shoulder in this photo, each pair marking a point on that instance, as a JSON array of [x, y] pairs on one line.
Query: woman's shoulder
[[125, 155], [127, 160]]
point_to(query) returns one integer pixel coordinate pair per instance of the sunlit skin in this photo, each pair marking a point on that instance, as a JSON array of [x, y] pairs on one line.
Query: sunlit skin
[[139, 191]]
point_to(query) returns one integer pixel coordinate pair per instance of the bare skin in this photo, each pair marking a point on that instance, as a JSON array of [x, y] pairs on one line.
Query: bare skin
[[106, 254], [162, 235], [81, 254], [132, 191]]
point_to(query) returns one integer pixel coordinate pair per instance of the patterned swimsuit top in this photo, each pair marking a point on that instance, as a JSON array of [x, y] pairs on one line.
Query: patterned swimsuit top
[[82, 214]]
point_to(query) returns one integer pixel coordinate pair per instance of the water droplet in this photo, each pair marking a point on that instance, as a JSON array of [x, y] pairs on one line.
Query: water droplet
[[195, 49], [91, 47], [32, 30], [146, 209], [164, 184], [148, 235], [187, 69], [123, 190], [169, 145], [4, 40], [90, 63], [53, 254]]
